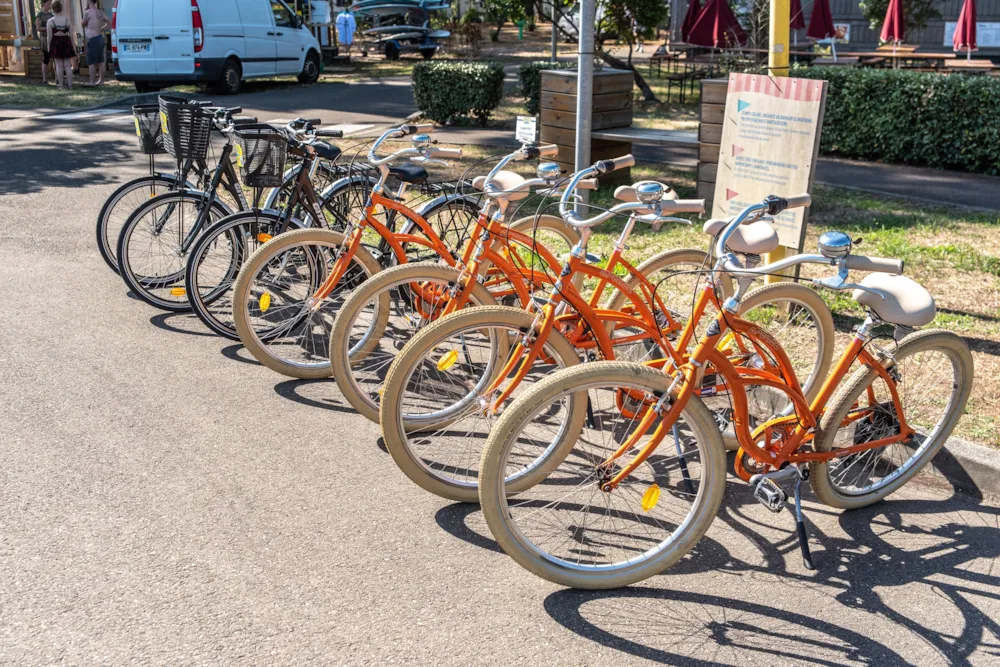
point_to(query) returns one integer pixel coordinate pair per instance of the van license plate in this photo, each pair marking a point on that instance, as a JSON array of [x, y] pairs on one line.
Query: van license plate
[[136, 48]]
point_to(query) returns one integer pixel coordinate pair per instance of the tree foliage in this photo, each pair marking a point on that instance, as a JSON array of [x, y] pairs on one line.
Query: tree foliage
[[916, 13]]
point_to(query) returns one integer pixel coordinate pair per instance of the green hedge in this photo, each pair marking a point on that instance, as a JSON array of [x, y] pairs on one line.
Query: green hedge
[[951, 122], [530, 75], [445, 91]]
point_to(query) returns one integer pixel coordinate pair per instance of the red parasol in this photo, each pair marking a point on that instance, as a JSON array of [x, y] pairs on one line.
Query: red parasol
[[694, 9], [821, 21], [965, 31], [798, 21], [892, 28], [716, 27]]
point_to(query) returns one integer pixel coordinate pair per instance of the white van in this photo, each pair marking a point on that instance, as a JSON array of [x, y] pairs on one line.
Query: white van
[[158, 43]]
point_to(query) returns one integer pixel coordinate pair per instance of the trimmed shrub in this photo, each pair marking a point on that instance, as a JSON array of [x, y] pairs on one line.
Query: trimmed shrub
[[445, 91], [530, 75], [914, 118]]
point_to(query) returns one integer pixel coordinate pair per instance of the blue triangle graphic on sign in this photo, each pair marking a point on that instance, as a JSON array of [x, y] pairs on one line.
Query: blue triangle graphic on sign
[[741, 105]]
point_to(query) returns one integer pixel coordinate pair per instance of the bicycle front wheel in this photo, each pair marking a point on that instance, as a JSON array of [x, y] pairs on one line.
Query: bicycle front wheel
[[381, 317], [566, 527], [932, 372], [275, 310], [119, 206]]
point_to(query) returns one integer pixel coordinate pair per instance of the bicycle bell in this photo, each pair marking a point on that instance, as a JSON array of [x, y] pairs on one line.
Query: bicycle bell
[[834, 244], [548, 171], [648, 192], [421, 141]]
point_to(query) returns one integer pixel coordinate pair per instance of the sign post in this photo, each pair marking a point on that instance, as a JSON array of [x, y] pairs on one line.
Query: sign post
[[770, 143]]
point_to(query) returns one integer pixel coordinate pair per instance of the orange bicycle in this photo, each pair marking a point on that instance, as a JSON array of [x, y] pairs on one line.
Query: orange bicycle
[[445, 388], [289, 290], [618, 503], [506, 263]]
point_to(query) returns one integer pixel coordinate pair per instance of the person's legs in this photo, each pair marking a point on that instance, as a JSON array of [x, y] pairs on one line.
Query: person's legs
[[59, 71], [69, 75], [45, 67]]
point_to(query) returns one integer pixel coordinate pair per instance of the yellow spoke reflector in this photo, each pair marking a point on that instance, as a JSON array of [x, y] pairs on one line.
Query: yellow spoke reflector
[[265, 302], [264, 238], [651, 497], [448, 360], [178, 291]]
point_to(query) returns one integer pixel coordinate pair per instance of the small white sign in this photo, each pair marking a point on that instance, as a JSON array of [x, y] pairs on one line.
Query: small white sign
[[527, 129], [987, 33]]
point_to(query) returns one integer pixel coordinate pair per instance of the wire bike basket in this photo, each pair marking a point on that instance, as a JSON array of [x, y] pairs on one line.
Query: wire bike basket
[[186, 127], [261, 152], [148, 128]]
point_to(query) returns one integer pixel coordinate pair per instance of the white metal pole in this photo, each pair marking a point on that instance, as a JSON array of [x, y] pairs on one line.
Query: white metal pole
[[585, 87]]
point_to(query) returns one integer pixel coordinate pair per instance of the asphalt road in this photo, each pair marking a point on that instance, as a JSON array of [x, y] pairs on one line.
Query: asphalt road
[[163, 499]]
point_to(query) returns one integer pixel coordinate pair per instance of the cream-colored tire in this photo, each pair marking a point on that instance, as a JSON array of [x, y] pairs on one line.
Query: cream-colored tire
[[577, 494], [431, 448], [285, 360], [937, 404], [359, 352]]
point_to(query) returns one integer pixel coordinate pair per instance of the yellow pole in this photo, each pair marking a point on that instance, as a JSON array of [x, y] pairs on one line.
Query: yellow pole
[[777, 65]]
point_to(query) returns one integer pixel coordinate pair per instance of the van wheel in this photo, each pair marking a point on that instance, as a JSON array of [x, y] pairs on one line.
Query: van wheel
[[229, 82], [310, 69], [143, 87]]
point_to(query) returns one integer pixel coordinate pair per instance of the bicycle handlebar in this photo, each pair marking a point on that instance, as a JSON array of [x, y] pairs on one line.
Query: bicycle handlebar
[[332, 134], [771, 205], [878, 264], [434, 152]]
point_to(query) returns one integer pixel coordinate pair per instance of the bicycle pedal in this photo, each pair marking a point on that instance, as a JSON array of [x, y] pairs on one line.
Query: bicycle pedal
[[770, 495]]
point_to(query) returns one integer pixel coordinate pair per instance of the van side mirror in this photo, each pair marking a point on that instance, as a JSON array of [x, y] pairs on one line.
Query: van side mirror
[[296, 22]]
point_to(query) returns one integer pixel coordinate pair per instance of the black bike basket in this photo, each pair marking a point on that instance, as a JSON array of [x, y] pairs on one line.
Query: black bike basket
[[260, 155], [187, 128], [147, 126]]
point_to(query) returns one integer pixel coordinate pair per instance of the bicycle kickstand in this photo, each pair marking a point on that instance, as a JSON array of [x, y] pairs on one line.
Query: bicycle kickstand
[[800, 527]]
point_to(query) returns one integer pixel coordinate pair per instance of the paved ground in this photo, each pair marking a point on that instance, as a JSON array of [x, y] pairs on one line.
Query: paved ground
[[164, 499]]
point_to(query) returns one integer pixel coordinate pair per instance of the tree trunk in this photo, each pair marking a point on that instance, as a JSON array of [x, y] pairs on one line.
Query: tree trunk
[[647, 92]]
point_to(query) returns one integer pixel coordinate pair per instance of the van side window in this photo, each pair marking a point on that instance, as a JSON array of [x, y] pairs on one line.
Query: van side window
[[282, 17]]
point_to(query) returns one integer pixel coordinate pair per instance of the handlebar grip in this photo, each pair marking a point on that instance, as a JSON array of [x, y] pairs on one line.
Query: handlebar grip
[[333, 134], [434, 151], [234, 110], [684, 205], [587, 184], [606, 166], [799, 201], [880, 264], [244, 120], [312, 121], [417, 128], [549, 150]]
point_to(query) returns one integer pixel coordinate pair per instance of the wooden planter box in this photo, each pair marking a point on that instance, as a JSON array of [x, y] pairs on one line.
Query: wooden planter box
[[713, 109], [611, 108]]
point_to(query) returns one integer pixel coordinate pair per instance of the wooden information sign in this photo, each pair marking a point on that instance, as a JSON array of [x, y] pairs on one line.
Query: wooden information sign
[[770, 140], [7, 25]]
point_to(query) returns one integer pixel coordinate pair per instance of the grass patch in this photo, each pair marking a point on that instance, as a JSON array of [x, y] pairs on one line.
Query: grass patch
[[21, 93]]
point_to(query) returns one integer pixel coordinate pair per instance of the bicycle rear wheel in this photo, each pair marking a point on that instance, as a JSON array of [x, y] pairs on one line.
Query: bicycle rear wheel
[[151, 256], [566, 527], [120, 205], [934, 370]]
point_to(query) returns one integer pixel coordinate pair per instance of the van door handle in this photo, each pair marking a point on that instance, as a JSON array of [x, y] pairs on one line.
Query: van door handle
[[163, 37], [281, 34], [271, 34]]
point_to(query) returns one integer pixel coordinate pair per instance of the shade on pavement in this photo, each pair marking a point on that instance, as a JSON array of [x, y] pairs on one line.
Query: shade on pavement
[[717, 27]]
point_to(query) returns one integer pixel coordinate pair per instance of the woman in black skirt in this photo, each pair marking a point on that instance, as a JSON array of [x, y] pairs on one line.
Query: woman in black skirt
[[61, 48]]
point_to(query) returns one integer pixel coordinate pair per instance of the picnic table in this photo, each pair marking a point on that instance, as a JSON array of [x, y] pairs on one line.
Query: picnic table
[[978, 66]]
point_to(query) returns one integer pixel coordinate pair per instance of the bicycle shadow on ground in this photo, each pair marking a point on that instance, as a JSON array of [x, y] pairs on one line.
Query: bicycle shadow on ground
[[889, 561], [313, 393], [233, 353], [180, 323]]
